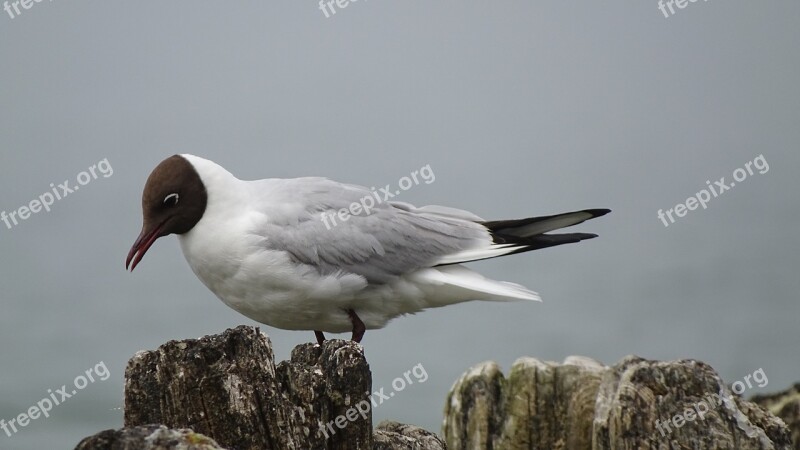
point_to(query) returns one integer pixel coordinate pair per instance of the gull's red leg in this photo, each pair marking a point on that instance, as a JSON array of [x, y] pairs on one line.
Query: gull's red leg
[[358, 326]]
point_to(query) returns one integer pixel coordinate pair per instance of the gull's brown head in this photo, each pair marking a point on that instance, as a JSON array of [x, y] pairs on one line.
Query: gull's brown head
[[173, 201]]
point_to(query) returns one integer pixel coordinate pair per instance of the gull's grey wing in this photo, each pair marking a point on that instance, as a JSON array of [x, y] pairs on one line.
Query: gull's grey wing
[[394, 239]]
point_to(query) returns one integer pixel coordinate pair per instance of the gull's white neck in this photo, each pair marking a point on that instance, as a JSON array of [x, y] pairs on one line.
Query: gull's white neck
[[215, 246]]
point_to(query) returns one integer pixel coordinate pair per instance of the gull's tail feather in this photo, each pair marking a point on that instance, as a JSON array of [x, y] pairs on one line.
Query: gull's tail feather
[[533, 226], [447, 285], [523, 235], [449, 282]]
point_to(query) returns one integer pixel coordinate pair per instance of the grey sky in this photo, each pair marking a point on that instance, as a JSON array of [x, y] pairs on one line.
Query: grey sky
[[520, 108]]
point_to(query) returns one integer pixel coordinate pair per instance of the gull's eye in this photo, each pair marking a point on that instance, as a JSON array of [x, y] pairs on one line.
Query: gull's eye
[[171, 199]]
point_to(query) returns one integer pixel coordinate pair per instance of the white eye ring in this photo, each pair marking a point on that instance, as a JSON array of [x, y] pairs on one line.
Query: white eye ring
[[172, 198]]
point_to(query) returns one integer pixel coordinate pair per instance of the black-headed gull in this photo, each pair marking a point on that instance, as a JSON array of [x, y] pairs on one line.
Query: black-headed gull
[[264, 248]]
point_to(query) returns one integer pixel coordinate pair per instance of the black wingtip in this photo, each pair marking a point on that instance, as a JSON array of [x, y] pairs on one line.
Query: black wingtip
[[597, 212], [541, 241]]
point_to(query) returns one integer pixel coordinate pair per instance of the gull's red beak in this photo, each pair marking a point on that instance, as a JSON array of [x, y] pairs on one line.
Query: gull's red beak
[[143, 243]]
